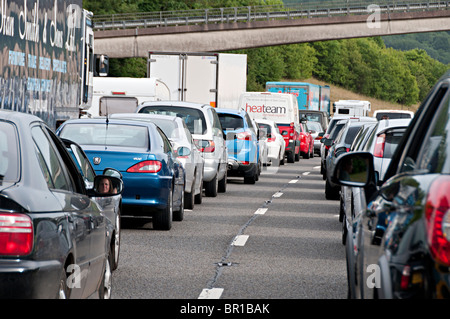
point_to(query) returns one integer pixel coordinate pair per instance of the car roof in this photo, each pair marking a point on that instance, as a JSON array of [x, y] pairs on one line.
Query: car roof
[[173, 103], [20, 117], [109, 121], [144, 116], [231, 111]]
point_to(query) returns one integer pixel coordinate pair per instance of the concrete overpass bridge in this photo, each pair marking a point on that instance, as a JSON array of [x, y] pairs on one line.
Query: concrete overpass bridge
[[224, 29]]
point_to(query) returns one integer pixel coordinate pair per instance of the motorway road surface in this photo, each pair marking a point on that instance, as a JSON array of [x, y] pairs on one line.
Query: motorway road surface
[[277, 239]]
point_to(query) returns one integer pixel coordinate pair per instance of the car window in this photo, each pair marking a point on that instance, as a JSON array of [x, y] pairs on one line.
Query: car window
[[217, 127], [9, 153], [111, 134], [166, 143], [393, 138], [51, 165], [83, 165], [421, 128], [110, 105], [194, 118], [231, 121], [351, 134], [434, 155], [266, 127]]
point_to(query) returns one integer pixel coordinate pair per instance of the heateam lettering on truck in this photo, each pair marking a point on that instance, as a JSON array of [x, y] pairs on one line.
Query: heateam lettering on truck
[[264, 109]]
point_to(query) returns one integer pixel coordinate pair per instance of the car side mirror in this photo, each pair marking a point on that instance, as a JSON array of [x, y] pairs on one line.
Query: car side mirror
[[115, 186], [328, 142], [183, 151], [354, 169]]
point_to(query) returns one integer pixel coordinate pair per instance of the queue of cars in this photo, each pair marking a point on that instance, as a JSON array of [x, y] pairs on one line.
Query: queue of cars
[[398, 220]]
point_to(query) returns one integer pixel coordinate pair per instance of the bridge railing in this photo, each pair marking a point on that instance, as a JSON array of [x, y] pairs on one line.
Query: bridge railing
[[259, 13]]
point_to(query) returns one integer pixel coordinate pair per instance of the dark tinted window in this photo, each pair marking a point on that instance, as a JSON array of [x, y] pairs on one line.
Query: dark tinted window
[[112, 135], [194, 118], [391, 142], [231, 121], [435, 153], [9, 153], [351, 134], [387, 115]]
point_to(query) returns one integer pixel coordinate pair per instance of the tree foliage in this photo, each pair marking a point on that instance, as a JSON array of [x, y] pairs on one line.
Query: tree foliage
[[364, 65]]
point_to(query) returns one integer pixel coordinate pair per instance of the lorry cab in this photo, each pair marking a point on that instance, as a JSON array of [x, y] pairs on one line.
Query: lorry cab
[[282, 108]]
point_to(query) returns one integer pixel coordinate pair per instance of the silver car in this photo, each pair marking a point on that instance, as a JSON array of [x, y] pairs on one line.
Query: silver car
[[179, 135], [204, 125]]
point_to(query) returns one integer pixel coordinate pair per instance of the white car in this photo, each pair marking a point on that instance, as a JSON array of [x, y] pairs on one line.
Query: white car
[[179, 135], [275, 142], [383, 142], [204, 125]]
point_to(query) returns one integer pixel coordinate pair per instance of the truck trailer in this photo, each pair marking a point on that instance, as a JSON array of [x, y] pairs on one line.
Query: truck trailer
[[46, 59], [309, 96], [217, 79]]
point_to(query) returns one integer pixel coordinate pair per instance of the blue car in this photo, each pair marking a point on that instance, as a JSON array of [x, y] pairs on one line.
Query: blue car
[[242, 144], [153, 177]]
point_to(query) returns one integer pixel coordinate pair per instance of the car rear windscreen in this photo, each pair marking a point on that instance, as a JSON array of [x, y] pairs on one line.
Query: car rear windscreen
[[194, 118]]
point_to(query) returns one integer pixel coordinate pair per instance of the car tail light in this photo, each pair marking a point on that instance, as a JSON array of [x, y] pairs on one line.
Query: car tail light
[[16, 234], [246, 136], [145, 167], [245, 162], [404, 280], [271, 139], [205, 146], [379, 145], [437, 216]]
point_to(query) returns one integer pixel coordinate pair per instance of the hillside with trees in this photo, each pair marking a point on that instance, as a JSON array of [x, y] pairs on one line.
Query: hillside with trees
[[365, 65]]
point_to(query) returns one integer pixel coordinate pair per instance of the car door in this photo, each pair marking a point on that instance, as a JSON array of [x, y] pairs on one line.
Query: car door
[[109, 208], [388, 216], [75, 206]]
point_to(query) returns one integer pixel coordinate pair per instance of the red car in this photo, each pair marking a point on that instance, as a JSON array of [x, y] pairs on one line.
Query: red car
[[306, 142], [291, 135]]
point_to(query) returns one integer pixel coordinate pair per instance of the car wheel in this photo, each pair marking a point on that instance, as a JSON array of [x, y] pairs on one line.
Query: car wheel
[[297, 156], [63, 290], [290, 157], [163, 220], [250, 179], [104, 291], [115, 244], [199, 197], [331, 192], [222, 187], [178, 215], [211, 187], [344, 231], [189, 198], [281, 159]]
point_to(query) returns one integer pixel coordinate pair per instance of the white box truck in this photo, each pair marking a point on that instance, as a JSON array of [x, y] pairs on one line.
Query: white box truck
[[351, 108], [124, 94], [217, 79]]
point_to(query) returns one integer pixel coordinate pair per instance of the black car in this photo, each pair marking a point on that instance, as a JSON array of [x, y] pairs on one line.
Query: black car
[[401, 238], [54, 238]]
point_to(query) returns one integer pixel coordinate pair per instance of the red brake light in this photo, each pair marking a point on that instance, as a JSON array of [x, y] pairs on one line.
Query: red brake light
[[16, 234], [246, 136], [205, 146], [437, 216], [379, 145], [271, 139], [145, 167]]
